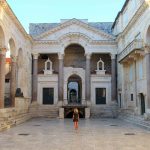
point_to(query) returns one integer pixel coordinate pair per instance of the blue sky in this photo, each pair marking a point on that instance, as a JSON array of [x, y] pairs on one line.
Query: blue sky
[[49, 11]]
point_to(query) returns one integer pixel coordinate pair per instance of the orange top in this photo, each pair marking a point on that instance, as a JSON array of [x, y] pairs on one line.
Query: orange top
[[8, 60]]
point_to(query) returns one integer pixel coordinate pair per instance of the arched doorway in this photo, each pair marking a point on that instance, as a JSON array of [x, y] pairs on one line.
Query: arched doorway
[[74, 95]]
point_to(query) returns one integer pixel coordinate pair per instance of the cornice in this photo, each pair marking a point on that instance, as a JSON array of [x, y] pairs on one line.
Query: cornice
[[46, 42], [100, 42], [57, 42], [76, 35], [72, 22]]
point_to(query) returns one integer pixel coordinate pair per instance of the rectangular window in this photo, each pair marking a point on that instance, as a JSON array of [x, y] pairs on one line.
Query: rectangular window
[[100, 95], [131, 73], [141, 70], [48, 96], [131, 97]]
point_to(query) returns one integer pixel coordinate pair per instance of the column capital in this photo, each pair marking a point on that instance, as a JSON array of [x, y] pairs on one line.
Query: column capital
[[3, 50], [147, 49], [14, 58], [60, 56], [35, 55], [113, 56], [88, 55]]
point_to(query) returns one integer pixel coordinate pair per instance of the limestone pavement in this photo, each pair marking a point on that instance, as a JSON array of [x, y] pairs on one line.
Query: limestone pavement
[[93, 134]]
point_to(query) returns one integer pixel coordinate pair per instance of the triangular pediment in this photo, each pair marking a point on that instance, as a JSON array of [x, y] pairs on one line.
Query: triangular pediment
[[74, 26]]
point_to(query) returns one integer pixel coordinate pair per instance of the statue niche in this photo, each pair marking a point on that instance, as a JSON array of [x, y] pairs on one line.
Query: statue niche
[[48, 67], [100, 68]]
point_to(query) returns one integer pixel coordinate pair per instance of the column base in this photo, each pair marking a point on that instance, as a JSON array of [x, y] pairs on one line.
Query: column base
[[34, 103], [88, 103], [136, 111], [147, 115], [60, 103], [61, 113], [65, 102], [83, 102], [87, 113]]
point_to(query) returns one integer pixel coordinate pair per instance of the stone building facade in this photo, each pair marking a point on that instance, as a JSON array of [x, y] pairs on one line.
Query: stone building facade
[[95, 66]]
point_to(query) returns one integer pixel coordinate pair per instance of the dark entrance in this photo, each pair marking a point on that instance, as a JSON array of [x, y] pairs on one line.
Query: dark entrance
[[74, 90], [142, 104], [68, 112], [120, 100], [100, 95], [48, 96]]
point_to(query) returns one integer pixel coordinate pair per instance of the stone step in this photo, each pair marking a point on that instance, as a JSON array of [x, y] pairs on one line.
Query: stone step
[[44, 111], [103, 111]]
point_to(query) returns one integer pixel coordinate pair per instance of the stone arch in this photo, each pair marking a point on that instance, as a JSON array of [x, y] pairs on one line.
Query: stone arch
[[148, 36], [146, 28], [69, 71], [12, 47], [74, 89], [20, 60], [74, 38], [2, 37], [74, 56]]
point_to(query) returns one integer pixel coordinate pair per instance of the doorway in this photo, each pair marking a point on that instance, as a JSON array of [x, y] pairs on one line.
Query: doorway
[[74, 90], [142, 103], [48, 96], [100, 96]]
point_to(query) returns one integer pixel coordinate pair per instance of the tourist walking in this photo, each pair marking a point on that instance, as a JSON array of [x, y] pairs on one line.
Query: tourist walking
[[75, 118]]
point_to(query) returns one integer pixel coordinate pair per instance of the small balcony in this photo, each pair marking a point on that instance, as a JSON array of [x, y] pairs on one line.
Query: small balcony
[[134, 45]]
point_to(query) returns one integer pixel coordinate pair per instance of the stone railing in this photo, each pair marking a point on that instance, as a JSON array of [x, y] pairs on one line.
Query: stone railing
[[135, 44]]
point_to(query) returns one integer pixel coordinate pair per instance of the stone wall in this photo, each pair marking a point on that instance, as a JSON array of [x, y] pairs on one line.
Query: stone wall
[[43, 58], [105, 58], [74, 57], [12, 116]]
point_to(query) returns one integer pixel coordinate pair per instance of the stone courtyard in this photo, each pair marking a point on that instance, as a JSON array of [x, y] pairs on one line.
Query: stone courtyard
[[93, 134]]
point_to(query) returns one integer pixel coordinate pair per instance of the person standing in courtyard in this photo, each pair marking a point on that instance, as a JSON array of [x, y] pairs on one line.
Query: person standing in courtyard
[[76, 118]]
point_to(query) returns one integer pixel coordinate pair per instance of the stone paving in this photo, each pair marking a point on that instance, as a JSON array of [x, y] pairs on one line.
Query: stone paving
[[93, 134]]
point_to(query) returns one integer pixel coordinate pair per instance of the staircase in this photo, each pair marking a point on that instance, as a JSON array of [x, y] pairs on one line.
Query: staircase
[[44, 111], [104, 112], [135, 119]]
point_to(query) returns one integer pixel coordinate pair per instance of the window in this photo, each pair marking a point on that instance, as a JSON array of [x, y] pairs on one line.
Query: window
[[140, 69], [100, 95], [131, 73], [131, 97]]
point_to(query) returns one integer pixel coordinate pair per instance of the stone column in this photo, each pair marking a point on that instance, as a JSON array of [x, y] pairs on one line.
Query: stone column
[[147, 57], [13, 79], [88, 79], [2, 76], [113, 78], [34, 77], [60, 78]]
